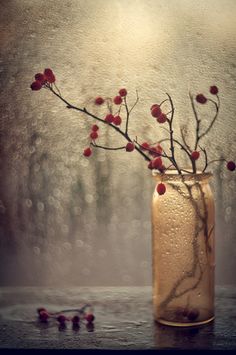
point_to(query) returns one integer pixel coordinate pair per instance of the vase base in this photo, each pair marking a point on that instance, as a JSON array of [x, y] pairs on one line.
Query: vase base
[[177, 324]]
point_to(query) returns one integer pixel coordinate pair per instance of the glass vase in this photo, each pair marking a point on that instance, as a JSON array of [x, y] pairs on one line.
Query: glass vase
[[183, 249]]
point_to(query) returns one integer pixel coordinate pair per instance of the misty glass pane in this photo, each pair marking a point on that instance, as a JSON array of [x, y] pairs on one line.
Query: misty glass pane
[[66, 219]]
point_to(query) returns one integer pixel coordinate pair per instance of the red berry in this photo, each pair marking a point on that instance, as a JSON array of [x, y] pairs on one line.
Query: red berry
[[162, 168], [89, 318], [154, 105], [156, 151], [48, 73], [75, 319], [162, 118], [93, 135], [123, 92], [161, 189], [195, 155], [214, 90], [150, 165], [40, 77], [95, 128], [129, 147], [36, 85], [50, 77], [87, 152], [117, 120], [156, 163], [99, 100], [201, 99], [41, 309], [231, 165], [43, 316], [145, 146], [185, 312], [155, 111], [109, 118], [117, 100], [61, 319], [193, 314]]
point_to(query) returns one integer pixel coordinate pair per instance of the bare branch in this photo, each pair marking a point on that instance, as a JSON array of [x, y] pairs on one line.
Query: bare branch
[[198, 121], [137, 100], [170, 122], [206, 158], [183, 132], [217, 106], [106, 148]]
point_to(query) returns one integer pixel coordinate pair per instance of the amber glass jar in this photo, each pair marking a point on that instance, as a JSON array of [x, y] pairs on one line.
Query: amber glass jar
[[183, 249]]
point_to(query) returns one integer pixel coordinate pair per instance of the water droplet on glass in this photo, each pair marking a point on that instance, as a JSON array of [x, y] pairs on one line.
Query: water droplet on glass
[[79, 243], [28, 203], [36, 250], [40, 206], [89, 198]]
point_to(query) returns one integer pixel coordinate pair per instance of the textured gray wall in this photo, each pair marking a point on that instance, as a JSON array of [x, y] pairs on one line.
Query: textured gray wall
[[68, 220]]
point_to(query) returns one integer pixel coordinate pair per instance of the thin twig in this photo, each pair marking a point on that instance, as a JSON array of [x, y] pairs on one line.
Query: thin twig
[[106, 148], [198, 121], [84, 110], [217, 106], [184, 140], [137, 99], [170, 122], [206, 158]]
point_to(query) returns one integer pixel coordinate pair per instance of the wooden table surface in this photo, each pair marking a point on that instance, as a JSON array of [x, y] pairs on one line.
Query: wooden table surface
[[123, 320]]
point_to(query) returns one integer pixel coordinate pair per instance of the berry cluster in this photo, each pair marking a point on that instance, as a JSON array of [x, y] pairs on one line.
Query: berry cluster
[[153, 153], [43, 79], [81, 315]]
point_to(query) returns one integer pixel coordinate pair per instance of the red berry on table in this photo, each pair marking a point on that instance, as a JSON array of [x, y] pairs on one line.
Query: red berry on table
[[201, 99], [95, 128], [99, 100], [36, 85], [195, 155], [117, 100], [157, 163], [117, 120], [93, 135], [40, 77], [109, 118], [129, 147], [75, 320], [43, 316], [214, 90], [156, 111], [50, 77], [162, 118], [123, 92], [87, 152], [161, 189], [231, 165], [89, 318], [41, 309], [61, 319]]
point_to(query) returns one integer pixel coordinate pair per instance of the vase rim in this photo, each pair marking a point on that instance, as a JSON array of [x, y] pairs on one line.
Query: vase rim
[[173, 174]]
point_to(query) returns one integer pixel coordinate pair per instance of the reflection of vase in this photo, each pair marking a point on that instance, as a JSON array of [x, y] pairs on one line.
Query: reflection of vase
[[183, 250]]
